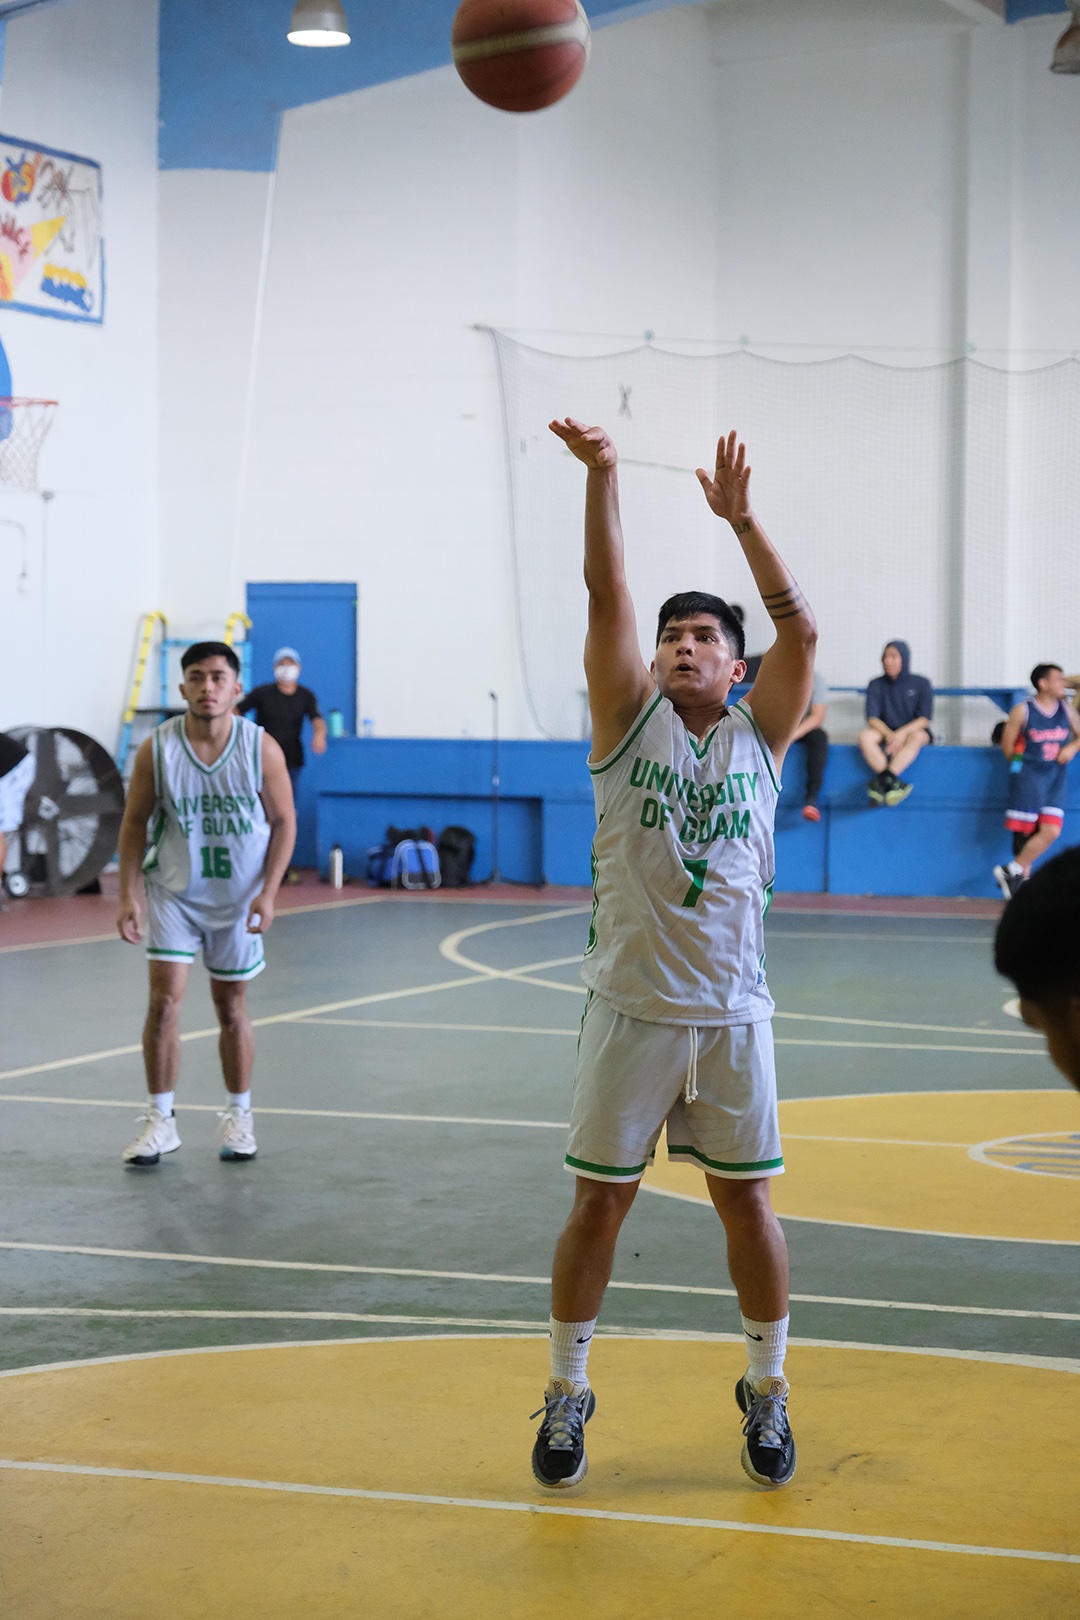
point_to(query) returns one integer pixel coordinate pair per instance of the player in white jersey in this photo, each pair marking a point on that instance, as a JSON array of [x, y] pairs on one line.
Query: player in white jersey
[[676, 1027], [217, 792]]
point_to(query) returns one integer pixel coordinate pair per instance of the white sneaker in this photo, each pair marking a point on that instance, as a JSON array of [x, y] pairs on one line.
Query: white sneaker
[[237, 1135], [158, 1135]]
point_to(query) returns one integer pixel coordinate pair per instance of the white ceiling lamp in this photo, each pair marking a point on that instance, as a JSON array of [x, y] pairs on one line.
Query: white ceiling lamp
[[318, 22], [1067, 49]]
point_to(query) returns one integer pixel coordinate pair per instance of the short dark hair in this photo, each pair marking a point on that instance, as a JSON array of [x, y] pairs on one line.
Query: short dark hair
[[687, 603], [1037, 944], [211, 649], [1041, 671]]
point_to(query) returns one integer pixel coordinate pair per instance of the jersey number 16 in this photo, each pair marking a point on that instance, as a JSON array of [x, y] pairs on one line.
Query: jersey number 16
[[216, 862]]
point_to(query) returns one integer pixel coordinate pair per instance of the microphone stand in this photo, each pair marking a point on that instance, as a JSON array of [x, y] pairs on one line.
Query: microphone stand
[[496, 875]]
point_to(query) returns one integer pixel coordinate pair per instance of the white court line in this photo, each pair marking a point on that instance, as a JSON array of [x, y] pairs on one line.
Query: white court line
[[389, 1023], [539, 1282], [467, 1119], [873, 1226], [299, 1113], [931, 1029], [984, 940], [664, 1521]]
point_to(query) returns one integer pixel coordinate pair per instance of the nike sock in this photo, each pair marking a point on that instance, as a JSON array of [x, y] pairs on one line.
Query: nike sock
[[162, 1101], [765, 1346], [241, 1100], [570, 1349]]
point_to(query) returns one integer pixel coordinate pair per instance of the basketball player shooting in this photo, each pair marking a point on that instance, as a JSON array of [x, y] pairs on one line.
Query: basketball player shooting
[[677, 1022], [218, 791]]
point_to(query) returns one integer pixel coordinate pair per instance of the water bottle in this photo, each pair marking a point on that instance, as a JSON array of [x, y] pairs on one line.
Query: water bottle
[[337, 867], [335, 723], [367, 726]]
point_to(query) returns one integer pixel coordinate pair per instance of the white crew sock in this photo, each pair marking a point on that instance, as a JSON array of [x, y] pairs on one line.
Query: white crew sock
[[765, 1346], [240, 1100], [570, 1349], [162, 1101], [1015, 868]]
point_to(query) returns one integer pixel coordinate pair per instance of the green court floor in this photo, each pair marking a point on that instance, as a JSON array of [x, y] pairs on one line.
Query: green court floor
[[412, 1087]]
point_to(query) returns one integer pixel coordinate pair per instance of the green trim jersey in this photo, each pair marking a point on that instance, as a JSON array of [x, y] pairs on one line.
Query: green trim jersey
[[683, 871], [209, 833]]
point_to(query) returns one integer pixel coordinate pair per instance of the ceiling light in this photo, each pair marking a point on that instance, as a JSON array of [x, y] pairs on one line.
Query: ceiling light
[[318, 22], [1067, 49]]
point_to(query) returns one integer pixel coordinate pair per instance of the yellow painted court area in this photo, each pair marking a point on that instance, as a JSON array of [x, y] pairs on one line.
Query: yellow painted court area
[[906, 1161], [910, 1446]]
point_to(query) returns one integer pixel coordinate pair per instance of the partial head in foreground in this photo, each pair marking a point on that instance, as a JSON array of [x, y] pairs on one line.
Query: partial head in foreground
[[211, 683], [699, 648], [1037, 946]]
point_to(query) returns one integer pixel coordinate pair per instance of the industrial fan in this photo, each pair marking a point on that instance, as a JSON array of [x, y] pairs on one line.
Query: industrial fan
[[72, 816]]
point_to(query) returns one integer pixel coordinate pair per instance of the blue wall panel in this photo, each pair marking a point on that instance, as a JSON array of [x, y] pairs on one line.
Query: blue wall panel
[[945, 840]]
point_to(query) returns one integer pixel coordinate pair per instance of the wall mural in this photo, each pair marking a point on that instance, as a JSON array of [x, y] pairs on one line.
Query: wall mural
[[52, 257]]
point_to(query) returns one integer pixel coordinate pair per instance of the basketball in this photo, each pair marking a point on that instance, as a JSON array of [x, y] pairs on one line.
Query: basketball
[[520, 55]]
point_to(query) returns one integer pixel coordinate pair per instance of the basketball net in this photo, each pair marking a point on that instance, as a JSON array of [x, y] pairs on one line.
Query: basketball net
[[23, 426]]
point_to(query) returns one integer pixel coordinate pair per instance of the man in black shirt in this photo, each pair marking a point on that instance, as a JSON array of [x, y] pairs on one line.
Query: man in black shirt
[[281, 707]]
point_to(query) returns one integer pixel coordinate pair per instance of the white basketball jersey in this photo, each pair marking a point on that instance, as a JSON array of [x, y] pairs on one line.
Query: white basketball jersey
[[683, 871], [209, 833]]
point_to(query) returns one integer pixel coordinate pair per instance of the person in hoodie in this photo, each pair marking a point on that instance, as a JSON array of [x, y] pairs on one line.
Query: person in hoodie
[[899, 708]]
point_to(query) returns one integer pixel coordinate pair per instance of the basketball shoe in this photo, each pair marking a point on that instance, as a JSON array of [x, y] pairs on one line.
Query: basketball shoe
[[1008, 880], [158, 1135], [237, 1135], [558, 1457], [768, 1453]]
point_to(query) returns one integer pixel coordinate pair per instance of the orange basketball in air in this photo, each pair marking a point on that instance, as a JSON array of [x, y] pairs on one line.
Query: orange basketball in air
[[520, 55]]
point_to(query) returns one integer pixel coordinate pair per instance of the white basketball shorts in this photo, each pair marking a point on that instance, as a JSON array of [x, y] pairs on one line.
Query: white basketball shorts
[[13, 790], [176, 930], [714, 1087]]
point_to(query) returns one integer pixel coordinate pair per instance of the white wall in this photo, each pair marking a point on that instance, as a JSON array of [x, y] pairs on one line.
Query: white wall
[[83, 77], [815, 176]]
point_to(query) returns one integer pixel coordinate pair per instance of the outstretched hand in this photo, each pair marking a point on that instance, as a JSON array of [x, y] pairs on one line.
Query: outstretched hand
[[728, 490], [590, 444]]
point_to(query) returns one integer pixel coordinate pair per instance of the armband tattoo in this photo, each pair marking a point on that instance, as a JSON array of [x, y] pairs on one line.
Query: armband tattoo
[[788, 604]]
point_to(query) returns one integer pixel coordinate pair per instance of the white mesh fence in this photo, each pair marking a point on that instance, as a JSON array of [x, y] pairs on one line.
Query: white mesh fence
[[938, 504]]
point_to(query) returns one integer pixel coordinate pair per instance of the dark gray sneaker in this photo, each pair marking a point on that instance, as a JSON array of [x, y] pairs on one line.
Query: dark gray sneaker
[[558, 1457], [1008, 882], [768, 1453]]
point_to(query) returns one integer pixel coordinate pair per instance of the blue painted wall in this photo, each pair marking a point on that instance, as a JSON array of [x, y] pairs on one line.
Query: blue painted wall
[[228, 71], [944, 840]]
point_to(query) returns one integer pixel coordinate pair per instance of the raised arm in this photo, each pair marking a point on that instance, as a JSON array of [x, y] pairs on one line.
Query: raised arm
[[138, 809], [786, 677], [618, 681]]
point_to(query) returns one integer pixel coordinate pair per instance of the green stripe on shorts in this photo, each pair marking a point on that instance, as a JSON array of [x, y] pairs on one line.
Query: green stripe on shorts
[[718, 1164], [236, 973], [604, 1169], [157, 951]]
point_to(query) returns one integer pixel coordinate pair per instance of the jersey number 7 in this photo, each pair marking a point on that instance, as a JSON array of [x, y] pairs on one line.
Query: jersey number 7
[[697, 871]]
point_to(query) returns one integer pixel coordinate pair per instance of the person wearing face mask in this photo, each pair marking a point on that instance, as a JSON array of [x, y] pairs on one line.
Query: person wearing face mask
[[281, 707], [899, 708]]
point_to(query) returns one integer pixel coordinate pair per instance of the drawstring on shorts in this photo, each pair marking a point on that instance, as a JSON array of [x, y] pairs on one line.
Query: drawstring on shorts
[[690, 1087]]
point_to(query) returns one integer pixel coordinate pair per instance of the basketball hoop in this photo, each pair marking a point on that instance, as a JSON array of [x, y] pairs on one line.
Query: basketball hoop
[[23, 426]]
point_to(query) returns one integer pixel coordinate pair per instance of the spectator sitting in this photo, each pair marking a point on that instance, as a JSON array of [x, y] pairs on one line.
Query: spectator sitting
[[816, 742], [899, 708]]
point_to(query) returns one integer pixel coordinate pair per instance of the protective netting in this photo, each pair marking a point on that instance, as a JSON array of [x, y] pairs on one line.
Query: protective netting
[[939, 504], [23, 426]]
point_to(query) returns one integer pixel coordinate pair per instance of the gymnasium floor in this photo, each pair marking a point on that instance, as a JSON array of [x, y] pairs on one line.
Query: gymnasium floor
[[302, 1386]]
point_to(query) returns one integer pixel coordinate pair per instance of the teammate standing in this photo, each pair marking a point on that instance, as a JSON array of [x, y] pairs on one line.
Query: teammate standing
[[677, 1021], [1040, 738], [223, 830]]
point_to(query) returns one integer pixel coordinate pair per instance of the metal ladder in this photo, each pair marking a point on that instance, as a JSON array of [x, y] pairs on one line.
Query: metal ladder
[[161, 710]]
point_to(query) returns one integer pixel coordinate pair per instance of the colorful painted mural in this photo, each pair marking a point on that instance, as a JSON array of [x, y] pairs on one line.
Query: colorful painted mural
[[52, 256]]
